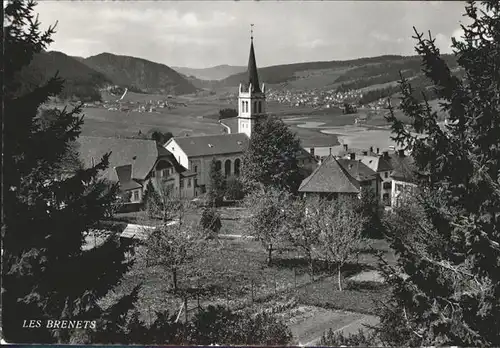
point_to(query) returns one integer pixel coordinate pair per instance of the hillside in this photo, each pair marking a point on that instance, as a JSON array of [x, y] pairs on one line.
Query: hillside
[[218, 72], [141, 74], [372, 78], [81, 81]]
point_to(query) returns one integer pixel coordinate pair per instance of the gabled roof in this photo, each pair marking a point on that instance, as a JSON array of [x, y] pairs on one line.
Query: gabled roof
[[208, 145], [141, 154], [376, 163], [330, 177], [357, 169]]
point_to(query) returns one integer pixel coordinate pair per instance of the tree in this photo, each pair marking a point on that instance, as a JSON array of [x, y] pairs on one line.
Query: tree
[[299, 228], [227, 113], [172, 246], [210, 221], [271, 157], [160, 137], [47, 207], [371, 208], [217, 186], [234, 188], [340, 230], [218, 325], [450, 294], [267, 218]]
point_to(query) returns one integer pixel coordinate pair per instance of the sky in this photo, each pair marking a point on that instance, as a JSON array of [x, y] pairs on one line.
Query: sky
[[201, 34]]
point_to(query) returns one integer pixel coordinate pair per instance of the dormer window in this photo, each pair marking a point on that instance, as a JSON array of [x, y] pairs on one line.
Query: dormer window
[[210, 145], [239, 142]]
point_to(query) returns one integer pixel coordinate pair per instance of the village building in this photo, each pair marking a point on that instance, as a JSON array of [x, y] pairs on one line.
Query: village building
[[335, 178], [404, 180], [135, 162], [382, 166]]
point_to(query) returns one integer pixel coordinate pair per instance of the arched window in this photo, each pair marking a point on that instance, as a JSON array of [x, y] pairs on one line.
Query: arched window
[[254, 106], [218, 165], [260, 107], [227, 168], [245, 104], [237, 164]]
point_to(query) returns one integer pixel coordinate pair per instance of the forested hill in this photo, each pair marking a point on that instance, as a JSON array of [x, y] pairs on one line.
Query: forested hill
[[370, 75], [140, 73], [81, 81]]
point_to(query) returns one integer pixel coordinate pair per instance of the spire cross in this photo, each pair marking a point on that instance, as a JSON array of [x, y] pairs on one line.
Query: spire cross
[[251, 32]]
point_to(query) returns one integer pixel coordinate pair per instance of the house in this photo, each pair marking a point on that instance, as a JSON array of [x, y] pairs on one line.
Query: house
[[133, 163], [404, 179], [330, 180], [195, 153], [364, 175], [382, 166]]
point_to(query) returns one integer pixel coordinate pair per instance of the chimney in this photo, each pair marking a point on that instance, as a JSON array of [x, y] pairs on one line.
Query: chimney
[[353, 155], [401, 153], [345, 147], [371, 148], [385, 154], [378, 150], [330, 150]]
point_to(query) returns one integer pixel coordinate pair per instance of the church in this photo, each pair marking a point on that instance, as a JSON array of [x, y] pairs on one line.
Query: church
[[195, 153]]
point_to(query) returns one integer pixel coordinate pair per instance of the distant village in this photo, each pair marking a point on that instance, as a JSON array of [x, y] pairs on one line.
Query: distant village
[[317, 98], [123, 104]]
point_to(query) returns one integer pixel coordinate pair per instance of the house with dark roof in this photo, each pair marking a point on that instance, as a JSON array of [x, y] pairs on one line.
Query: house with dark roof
[[135, 162], [195, 153], [364, 175], [330, 180]]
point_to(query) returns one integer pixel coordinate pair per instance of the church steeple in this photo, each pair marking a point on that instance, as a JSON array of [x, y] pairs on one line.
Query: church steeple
[[252, 97], [253, 76]]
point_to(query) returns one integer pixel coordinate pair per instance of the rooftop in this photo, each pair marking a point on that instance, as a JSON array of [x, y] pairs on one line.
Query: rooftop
[[357, 169], [330, 177], [141, 154], [207, 145]]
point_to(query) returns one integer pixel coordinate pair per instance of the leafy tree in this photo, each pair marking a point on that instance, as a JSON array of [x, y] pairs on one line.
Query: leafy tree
[[217, 325], [267, 218], [160, 137], [47, 208], [300, 231], [450, 294], [235, 189], [210, 221], [172, 244], [217, 186], [227, 113], [271, 157], [372, 209], [340, 230], [349, 108]]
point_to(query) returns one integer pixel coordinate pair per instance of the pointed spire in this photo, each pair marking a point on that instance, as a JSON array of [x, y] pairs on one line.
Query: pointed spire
[[253, 77]]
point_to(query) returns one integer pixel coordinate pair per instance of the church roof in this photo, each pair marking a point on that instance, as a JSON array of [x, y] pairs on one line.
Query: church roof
[[207, 145], [330, 177], [253, 77]]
